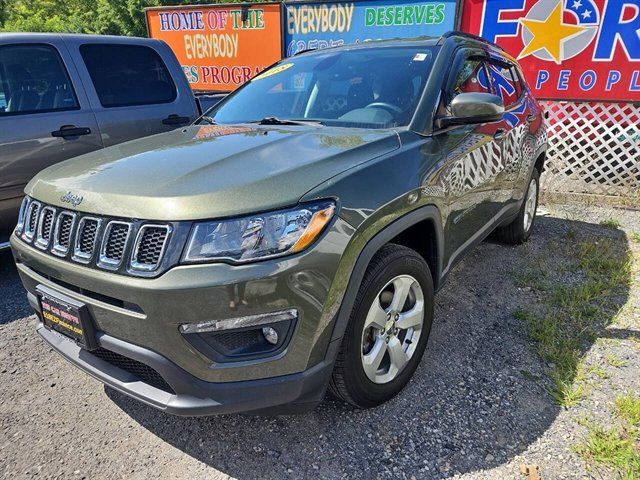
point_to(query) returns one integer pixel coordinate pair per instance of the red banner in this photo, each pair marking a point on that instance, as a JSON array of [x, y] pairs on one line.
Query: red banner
[[568, 49]]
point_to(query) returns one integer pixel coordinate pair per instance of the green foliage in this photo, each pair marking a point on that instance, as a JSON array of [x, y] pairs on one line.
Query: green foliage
[[628, 408], [108, 17], [573, 313], [616, 447], [611, 223]]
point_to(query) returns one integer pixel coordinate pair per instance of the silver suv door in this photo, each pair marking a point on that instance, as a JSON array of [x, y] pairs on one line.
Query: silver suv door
[[45, 116], [131, 89]]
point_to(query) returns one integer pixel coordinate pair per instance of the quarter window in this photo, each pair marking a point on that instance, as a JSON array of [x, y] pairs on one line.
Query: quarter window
[[33, 79], [127, 75]]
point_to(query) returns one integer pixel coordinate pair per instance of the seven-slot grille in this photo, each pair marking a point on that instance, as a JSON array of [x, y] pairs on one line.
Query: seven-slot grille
[[94, 240]]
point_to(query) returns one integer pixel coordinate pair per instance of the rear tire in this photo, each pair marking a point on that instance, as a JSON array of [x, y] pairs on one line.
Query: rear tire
[[388, 329], [519, 230]]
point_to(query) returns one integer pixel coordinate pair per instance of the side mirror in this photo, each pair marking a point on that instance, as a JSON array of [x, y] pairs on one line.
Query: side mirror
[[470, 108]]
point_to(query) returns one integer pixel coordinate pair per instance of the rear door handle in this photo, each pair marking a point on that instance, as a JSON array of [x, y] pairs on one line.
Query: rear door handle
[[174, 119], [531, 118], [499, 135], [70, 131]]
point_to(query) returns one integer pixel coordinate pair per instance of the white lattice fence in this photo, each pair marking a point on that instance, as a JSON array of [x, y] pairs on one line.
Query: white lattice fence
[[594, 148]]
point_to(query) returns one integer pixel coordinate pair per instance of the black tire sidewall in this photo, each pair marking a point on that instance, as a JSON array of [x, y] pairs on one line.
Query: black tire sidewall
[[362, 390]]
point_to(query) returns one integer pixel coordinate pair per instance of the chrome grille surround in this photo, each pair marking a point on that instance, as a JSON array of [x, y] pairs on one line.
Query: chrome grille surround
[[114, 243], [45, 227], [149, 247], [86, 237], [21, 216], [31, 220], [123, 246], [62, 233]]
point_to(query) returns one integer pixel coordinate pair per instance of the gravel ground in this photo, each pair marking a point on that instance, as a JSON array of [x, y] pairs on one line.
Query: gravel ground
[[476, 408]]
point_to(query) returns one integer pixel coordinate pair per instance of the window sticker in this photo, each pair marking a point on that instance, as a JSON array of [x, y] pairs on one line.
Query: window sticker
[[420, 57], [299, 81], [274, 71]]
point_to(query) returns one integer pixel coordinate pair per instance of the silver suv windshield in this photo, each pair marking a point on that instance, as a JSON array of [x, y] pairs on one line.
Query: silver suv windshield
[[371, 87]]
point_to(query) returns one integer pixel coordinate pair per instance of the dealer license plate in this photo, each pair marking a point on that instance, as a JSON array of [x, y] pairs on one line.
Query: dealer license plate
[[67, 316]]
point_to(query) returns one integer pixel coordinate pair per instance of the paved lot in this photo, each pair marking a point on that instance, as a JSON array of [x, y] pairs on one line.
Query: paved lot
[[477, 407]]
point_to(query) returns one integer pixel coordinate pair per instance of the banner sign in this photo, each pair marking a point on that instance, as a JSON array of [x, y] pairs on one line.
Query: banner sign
[[311, 25], [568, 49], [219, 46]]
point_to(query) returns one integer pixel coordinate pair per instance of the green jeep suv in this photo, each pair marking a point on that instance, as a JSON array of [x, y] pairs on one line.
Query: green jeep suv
[[290, 240]]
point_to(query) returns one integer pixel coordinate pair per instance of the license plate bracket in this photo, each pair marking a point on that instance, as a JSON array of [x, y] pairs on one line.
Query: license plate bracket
[[67, 316]]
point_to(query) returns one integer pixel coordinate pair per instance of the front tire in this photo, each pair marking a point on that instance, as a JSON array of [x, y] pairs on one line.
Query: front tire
[[388, 329], [519, 230]]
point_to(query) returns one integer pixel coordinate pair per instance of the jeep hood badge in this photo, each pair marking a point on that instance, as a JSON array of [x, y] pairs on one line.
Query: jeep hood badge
[[74, 200]]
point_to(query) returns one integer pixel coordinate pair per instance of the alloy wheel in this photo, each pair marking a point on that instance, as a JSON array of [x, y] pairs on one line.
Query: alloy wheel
[[392, 329], [530, 205]]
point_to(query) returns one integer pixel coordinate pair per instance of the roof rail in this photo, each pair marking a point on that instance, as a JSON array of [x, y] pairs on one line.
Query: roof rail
[[305, 51], [470, 36]]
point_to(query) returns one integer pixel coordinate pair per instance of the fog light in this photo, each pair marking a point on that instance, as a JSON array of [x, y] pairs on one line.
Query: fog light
[[270, 335]]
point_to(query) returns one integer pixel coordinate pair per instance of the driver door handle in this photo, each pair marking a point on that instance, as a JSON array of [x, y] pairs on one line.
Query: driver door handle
[[70, 131], [499, 135], [531, 118]]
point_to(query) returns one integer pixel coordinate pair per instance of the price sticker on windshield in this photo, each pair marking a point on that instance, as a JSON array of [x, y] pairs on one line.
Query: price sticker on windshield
[[274, 71]]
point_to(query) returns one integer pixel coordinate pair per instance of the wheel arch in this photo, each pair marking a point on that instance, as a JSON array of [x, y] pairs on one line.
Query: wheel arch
[[540, 161], [425, 220]]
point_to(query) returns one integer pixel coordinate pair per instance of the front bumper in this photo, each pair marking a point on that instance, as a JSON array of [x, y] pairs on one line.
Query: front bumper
[[140, 319], [191, 396]]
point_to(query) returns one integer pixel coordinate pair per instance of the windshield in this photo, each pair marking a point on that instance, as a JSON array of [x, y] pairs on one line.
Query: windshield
[[377, 87]]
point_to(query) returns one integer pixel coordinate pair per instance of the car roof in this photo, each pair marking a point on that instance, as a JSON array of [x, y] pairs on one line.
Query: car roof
[[24, 37], [423, 41]]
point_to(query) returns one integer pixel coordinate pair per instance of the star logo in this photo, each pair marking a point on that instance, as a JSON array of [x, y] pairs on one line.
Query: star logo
[[555, 30]]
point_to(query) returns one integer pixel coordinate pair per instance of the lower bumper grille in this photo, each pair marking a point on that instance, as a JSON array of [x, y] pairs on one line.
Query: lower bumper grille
[[144, 372]]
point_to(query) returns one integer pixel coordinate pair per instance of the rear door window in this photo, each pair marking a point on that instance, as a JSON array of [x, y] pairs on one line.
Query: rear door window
[[517, 80], [128, 75], [505, 83], [33, 79]]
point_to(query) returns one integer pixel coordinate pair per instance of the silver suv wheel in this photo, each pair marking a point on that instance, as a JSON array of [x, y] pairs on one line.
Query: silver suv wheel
[[392, 329], [530, 205]]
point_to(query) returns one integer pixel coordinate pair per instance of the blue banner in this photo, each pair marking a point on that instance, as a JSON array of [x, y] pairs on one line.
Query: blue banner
[[326, 24]]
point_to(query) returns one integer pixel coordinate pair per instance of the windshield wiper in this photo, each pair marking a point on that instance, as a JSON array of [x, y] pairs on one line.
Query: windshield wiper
[[208, 119], [287, 121]]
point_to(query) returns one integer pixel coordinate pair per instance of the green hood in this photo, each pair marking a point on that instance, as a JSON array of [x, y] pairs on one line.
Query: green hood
[[208, 171]]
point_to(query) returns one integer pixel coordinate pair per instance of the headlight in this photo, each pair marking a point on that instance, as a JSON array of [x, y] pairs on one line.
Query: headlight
[[259, 236]]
